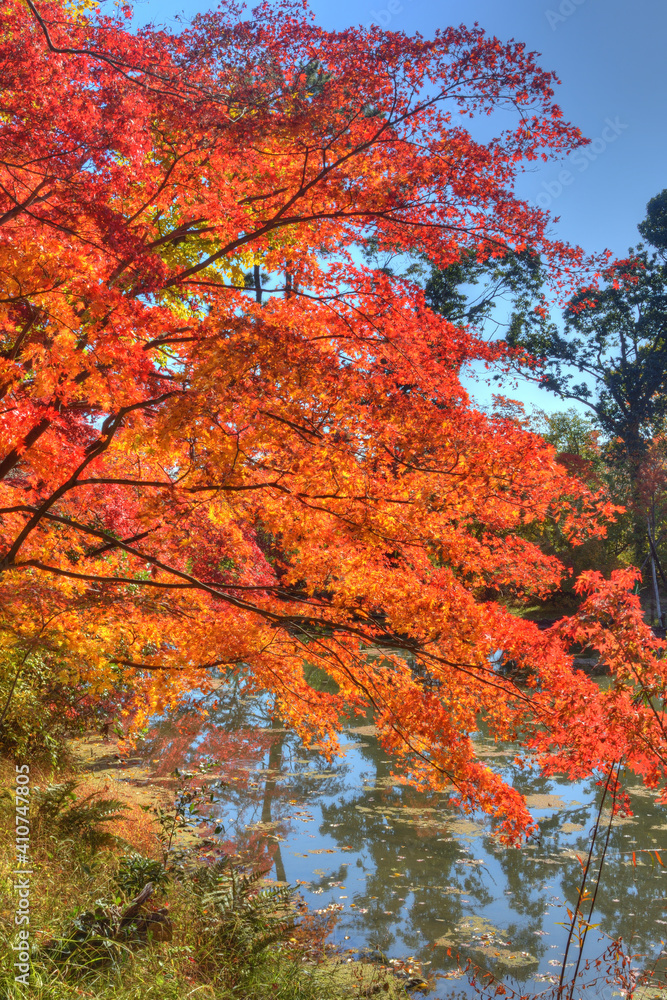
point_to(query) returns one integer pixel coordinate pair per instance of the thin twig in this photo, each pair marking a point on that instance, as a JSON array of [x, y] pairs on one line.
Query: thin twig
[[577, 912], [599, 875]]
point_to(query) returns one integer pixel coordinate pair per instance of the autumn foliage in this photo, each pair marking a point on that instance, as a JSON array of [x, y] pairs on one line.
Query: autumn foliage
[[224, 441]]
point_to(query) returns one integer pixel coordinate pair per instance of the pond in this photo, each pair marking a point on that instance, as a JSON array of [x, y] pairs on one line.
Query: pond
[[409, 876]]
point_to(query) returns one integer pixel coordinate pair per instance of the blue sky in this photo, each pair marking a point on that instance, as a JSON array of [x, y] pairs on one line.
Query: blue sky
[[610, 57]]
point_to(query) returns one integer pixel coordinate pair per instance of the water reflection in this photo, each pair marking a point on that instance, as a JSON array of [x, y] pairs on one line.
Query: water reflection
[[411, 876]]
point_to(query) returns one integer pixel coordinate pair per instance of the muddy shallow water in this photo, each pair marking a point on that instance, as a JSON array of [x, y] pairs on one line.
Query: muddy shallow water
[[409, 876]]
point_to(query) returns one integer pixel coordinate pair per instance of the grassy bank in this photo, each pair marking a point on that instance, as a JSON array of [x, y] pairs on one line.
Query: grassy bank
[[206, 930]]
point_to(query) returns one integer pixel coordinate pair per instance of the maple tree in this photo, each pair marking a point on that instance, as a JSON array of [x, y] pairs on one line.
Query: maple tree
[[225, 441]]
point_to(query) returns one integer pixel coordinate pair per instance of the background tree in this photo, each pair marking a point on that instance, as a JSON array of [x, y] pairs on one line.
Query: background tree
[[580, 449], [615, 336], [500, 295]]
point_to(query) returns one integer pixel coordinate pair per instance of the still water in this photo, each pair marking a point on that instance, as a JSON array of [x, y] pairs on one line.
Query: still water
[[407, 875]]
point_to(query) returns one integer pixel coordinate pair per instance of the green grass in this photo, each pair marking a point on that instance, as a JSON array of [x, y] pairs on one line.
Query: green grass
[[159, 977]]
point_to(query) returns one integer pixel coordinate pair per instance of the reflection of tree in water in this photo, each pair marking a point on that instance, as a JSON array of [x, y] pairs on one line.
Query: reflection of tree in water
[[631, 899], [248, 749], [524, 874], [419, 855], [523, 869], [289, 782], [408, 860], [529, 874], [414, 869], [232, 730]]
